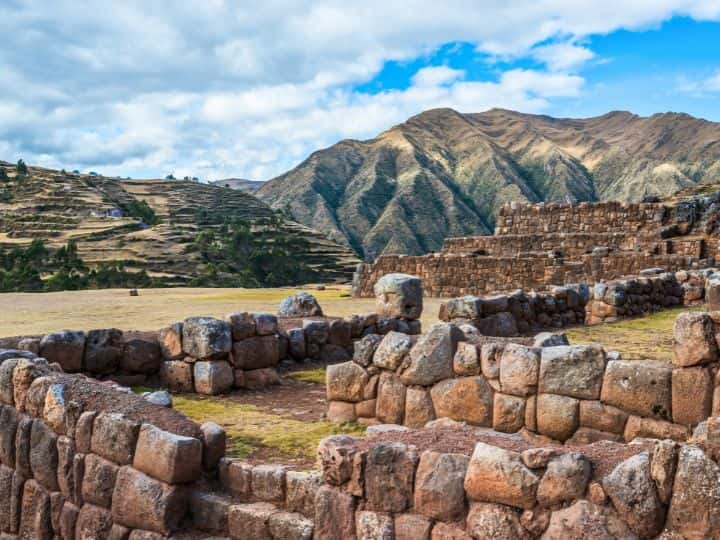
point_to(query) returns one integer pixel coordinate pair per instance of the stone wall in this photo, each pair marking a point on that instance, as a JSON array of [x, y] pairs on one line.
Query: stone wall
[[206, 355], [406, 489], [573, 394]]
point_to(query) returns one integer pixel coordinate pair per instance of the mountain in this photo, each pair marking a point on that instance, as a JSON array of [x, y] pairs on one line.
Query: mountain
[[151, 225], [239, 183], [443, 173]]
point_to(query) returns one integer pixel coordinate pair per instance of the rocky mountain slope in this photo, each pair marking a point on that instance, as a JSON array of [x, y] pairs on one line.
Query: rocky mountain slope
[[149, 224], [443, 173], [239, 183]]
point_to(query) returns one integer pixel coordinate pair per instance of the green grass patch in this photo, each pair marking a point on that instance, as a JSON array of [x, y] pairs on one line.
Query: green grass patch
[[250, 430], [310, 375], [641, 338]]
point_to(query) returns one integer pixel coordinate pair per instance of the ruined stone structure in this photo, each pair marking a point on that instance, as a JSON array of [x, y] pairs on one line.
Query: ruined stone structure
[[541, 245]]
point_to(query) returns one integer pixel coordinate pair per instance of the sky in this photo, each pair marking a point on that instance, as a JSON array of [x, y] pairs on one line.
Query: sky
[[219, 89]]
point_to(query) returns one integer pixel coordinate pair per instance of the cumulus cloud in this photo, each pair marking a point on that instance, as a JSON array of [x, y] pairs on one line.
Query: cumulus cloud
[[220, 88]]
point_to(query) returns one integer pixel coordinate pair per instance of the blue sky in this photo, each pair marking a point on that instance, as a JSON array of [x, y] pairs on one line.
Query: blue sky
[[220, 88]]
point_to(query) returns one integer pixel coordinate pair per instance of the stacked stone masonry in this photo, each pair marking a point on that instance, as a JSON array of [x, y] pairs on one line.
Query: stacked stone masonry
[[551, 391], [543, 245]]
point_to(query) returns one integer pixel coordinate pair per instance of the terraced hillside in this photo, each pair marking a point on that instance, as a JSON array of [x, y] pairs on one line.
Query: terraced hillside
[[149, 224]]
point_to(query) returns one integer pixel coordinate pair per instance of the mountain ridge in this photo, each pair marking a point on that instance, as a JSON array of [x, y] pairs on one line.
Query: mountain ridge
[[444, 173]]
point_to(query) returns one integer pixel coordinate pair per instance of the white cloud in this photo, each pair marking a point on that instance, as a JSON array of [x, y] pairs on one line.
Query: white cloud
[[231, 88], [702, 87]]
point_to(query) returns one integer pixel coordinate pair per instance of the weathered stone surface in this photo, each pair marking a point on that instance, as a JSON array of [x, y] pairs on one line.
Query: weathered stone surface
[[257, 379], [268, 482], [336, 455], [374, 526], [143, 502], [170, 340], [399, 295], [7, 369], [177, 376], [498, 475], [302, 304], [141, 356], [250, 521], [469, 308], [291, 526], [490, 355], [694, 510], [662, 468], [444, 531], [206, 337], [9, 423], [487, 520], [236, 477], [466, 362], [692, 391], [596, 415], [341, 412], [256, 352], [209, 511], [439, 491], [316, 332], [508, 413], [638, 427], [389, 475], [467, 399], [35, 519], [296, 343], [213, 377], [531, 413], [346, 381], [214, 443], [43, 455], [93, 522], [584, 520], [519, 369], [392, 350], [103, 351], [585, 435], [550, 339], [266, 324], [22, 447], [694, 339], [557, 416], [301, 489], [334, 514], [364, 349], [114, 437], [23, 376], [535, 521], [574, 371], [98, 480], [638, 387], [419, 408], [565, 479], [412, 527], [340, 333], [174, 459], [431, 358], [632, 491], [60, 413], [390, 405], [366, 408], [538, 458], [65, 347], [68, 519]]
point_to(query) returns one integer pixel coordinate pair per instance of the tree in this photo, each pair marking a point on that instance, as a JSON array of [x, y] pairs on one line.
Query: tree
[[21, 168], [169, 177]]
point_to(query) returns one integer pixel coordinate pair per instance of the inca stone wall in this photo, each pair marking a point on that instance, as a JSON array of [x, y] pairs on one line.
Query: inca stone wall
[[564, 394], [539, 246]]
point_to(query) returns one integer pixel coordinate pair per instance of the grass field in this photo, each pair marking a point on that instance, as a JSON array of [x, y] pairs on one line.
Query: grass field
[[36, 313]]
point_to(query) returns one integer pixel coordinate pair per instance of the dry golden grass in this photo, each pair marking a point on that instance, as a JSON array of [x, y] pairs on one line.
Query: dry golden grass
[[36, 313]]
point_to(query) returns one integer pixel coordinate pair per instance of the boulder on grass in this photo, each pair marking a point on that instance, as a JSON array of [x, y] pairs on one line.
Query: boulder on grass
[[302, 304]]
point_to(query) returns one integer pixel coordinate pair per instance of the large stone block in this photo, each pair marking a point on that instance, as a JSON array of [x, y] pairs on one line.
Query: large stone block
[[209, 511], [486, 520], [35, 518], [638, 387], [412, 527], [43, 455], [141, 356], [565, 479], [170, 340], [466, 362], [302, 304], [500, 324], [256, 352], [399, 295], [266, 324], [392, 350], [65, 347], [334, 514], [439, 491], [177, 376], [213, 377], [389, 476], [140, 501], [103, 351], [268, 482], [346, 381], [431, 359], [585, 520], [596, 415], [296, 343], [391, 395], [206, 337], [9, 423], [574, 371], [247, 521], [638, 427], [114, 437], [168, 457], [291, 526], [557, 416], [419, 408], [98, 482], [466, 399], [694, 339], [692, 393], [508, 413], [632, 491], [301, 489], [519, 369], [374, 525], [498, 475]]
